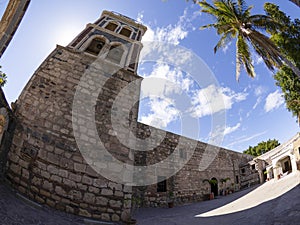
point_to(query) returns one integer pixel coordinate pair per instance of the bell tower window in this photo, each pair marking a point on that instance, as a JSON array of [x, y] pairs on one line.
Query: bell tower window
[[111, 26], [115, 54], [125, 31], [95, 46]]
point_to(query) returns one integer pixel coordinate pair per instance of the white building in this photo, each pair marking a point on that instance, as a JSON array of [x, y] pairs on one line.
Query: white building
[[280, 161]]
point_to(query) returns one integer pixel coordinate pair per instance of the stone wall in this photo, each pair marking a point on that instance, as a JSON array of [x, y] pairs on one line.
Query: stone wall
[[187, 185], [44, 161]]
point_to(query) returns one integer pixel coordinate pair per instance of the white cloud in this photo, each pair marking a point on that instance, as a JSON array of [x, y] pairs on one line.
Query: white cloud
[[244, 139], [273, 101], [229, 130], [163, 86], [226, 47], [258, 101], [214, 99], [257, 60], [260, 90], [171, 33], [169, 75], [162, 113]]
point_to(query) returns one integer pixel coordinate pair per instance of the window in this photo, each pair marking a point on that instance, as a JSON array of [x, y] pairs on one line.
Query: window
[[236, 179], [95, 46], [253, 166], [299, 150], [111, 26], [115, 54], [162, 185], [243, 170], [125, 31]]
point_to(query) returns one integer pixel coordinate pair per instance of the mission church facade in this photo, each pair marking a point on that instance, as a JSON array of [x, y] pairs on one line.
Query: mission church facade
[[39, 155]]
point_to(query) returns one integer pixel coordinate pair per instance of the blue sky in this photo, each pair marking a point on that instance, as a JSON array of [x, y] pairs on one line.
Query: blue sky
[[255, 110]]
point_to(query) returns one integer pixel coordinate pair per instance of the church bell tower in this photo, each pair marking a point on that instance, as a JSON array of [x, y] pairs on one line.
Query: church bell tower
[[45, 162], [114, 37]]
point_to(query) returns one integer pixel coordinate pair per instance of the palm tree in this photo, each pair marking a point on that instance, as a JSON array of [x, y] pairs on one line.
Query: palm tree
[[234, 21]]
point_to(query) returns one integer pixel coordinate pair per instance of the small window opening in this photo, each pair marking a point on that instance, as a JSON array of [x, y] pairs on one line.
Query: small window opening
[[111, 26], [162, 185], [126, 32], [95, 46], [236, 179]]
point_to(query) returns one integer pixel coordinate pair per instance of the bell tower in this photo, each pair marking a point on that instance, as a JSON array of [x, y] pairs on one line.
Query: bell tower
[[113, 37], [45, 161]]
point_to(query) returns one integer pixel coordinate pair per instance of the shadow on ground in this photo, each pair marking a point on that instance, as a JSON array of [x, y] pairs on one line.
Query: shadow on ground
[[284, 210]]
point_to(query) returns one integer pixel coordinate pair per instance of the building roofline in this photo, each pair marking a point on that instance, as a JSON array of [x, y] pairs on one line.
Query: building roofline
[[126, 18], [274, 151]]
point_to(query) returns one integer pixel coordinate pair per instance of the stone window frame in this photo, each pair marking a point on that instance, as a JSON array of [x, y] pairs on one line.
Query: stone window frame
[[123, 57], [127, 28], [112, 22], [89, 40], [119, 28]]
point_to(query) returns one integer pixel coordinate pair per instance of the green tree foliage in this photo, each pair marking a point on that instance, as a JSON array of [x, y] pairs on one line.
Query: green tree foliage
[[287, 38], [3, 78], [233, 20], [262, 147]]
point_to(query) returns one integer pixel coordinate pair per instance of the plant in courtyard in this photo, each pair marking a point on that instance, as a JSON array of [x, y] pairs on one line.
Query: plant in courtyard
[[234, 21], [211, 181], [3, 78], [171, 199]]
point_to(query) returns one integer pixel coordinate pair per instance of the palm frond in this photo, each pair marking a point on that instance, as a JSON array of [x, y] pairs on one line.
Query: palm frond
[[244, 57], [225, 39]]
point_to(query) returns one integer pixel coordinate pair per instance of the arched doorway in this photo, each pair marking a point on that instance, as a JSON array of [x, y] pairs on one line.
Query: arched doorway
[[214, 186], [286, 164]]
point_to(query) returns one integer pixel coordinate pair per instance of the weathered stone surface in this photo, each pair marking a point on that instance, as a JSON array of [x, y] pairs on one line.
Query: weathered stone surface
[[56, 171]]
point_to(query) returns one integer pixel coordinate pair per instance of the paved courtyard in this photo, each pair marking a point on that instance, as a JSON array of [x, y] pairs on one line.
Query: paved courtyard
[[282, 210]]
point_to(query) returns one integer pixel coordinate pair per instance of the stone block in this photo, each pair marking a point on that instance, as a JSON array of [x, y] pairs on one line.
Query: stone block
[[63, 173], [78, 167], [106, 192], [89, 198], [75, 177], [115, 204], [52, 169], [115, 186], [105, 217], [101, 201], [100, 183], [47, 185], [87, 180]]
